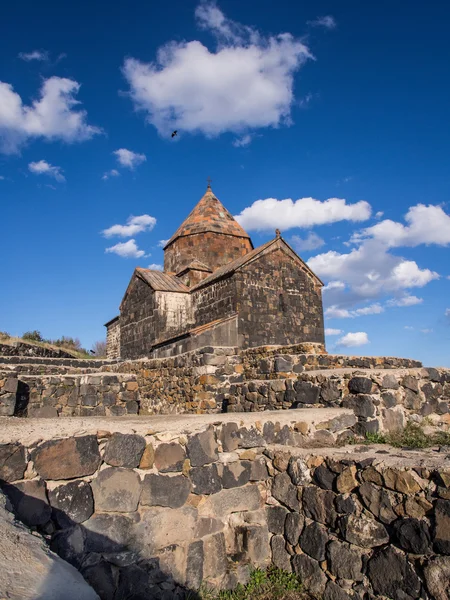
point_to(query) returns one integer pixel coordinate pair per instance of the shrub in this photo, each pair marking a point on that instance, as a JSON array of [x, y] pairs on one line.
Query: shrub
[[33, 336], [99, 349]]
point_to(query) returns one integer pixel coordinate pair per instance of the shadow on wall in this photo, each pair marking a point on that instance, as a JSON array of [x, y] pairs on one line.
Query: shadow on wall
[[22, 399], [108, 563]]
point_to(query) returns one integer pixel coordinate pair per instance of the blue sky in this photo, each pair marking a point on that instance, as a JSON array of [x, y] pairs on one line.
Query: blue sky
[[328, 120]]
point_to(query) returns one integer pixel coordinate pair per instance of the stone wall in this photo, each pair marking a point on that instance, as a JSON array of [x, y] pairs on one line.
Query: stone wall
[[150, 515], [113, 338], [137, 320], [25, 349], [278, 302]]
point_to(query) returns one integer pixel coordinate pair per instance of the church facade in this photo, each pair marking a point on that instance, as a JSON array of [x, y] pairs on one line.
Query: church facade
[[217, 290]]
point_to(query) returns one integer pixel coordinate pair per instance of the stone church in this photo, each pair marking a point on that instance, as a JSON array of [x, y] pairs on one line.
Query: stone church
[[217, 290]]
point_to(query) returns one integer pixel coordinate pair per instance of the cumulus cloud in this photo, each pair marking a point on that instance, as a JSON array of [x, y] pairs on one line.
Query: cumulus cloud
[[133, 226], [328, 22], [129, 159], [42, 167], [334, 285], [127, 249], [51, 117], [358, 338], [267, 214], [424, 225], [447, 312], [245, 84], [311, 242], [162, 243], [408, 327], [109, 174], [333, 331], [242, 141], [39, 55], [334, 312], [405, 301], [155, 267]]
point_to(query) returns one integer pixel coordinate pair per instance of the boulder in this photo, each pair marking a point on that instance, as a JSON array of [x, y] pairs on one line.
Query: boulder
[[362, 531], [73, 502], [413, 535], [280, 556], [165, 490], [276, 517], [124, 450], [12, 461], [169, 457], [206, 480], [360, 385], [309, 573], [437, 576], [285, 492], [67, 458], [202, 448], [390, 574], [345, 561], [116, 490], [313, 540]]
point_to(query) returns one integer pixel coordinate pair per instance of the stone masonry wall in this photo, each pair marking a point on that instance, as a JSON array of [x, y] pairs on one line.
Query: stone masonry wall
[[138, 321], [24, 349], [149, 516], [113, 339]]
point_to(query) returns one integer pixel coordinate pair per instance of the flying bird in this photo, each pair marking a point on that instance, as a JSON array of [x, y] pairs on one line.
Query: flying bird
[[174, 133]]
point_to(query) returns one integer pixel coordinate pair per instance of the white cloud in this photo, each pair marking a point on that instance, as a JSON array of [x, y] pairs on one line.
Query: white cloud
[[42, 167], [162, 243], [109, 174], [133, 226], [127, 249], [129, 159], [328, 22], [242, 141], [40, 55], [334, 285], [373, 309], [447, 312], [333, 331], [334, 312], [358, 338], [426, 330], [247, 83], [311, 242], [425, 225], [405, 301], [51, 117], [155, 267], [408, 327], [379, 214], [304, 212]]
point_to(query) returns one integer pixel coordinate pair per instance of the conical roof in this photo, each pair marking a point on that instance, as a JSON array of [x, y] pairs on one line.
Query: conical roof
[[209, 215]]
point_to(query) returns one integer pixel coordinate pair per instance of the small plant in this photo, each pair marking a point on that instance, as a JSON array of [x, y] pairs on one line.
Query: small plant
[[33, 336], [375, 438], [412, 436], [4, 335]]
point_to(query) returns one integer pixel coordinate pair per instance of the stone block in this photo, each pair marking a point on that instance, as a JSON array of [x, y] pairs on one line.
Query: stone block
[[169, 457], [390, 382], [437, 576], [283, 364], [318, 504], [236, 473], [165, 490], [276, 517], [194, 565], [345, 561], [202, 448], [346, 481], [324, 477], [362, 531], [108, 532], [116, 490], [7, 405], [441, 533], [280, 556], [250, 438], [232, 500], [124, 450], [379, 501], [215, 557], [334, 592], [390, 573], [159, 528], [67, 458], [293, 527], [338, 423], [298, 471], [12, 461], [42, 412], [29, 500], [313, 540], [413, 535], [330, 391], [401, 481], [147, 458], [285, 492], [258, 470], [309, 573], [73, 502], [306, 392], [360, 385], [101, 577], [228, 437]]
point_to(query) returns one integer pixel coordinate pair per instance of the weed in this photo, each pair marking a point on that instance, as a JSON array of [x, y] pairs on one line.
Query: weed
[[412, 436]]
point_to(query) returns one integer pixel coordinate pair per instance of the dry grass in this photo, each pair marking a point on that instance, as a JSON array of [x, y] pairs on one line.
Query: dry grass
[[5, 338]]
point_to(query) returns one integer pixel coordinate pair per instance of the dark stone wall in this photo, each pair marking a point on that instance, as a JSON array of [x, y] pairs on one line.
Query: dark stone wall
[[215, 301], [212, 249], [138, 321], [279, 303]]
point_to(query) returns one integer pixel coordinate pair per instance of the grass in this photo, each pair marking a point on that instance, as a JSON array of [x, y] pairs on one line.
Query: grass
[[272, 584], [5, 338], [412, 436]]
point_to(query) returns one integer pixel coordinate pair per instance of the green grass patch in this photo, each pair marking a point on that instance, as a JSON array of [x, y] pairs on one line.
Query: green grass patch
[[272, 584], [412, 436]]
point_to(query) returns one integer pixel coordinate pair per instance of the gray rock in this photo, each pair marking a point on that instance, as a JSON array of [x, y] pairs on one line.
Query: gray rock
[[334, 592], [437, 576], [441, 532], [228, 437], [378, 501], [280, 556], [362, 531], [345, 561], [360, 385], [319, 505], [345, 504], [12, 461], [194, 565], [293, 527], [69, 544], [205, 480], [7, 405], [298, 471], [42, 412], [283, 364], [250, 438], [313, 540], [124, 450], [330, 391], [73, 501], [256, 545], [309, 573], [411, 383], [29, 500], [389, 400], [324, 477], [140, 583], [116, 490], [169, 457], [307, 392], [236, 474], [67, 458], [258, 470], [215, 553], [239, 499], [413, 535], [362, 428], [202, 448], [390, 573], [165, 490], [276, 517], [108, 532], [285, 492], [101, 577], [362, 405], [338, 423], [390, 382]]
